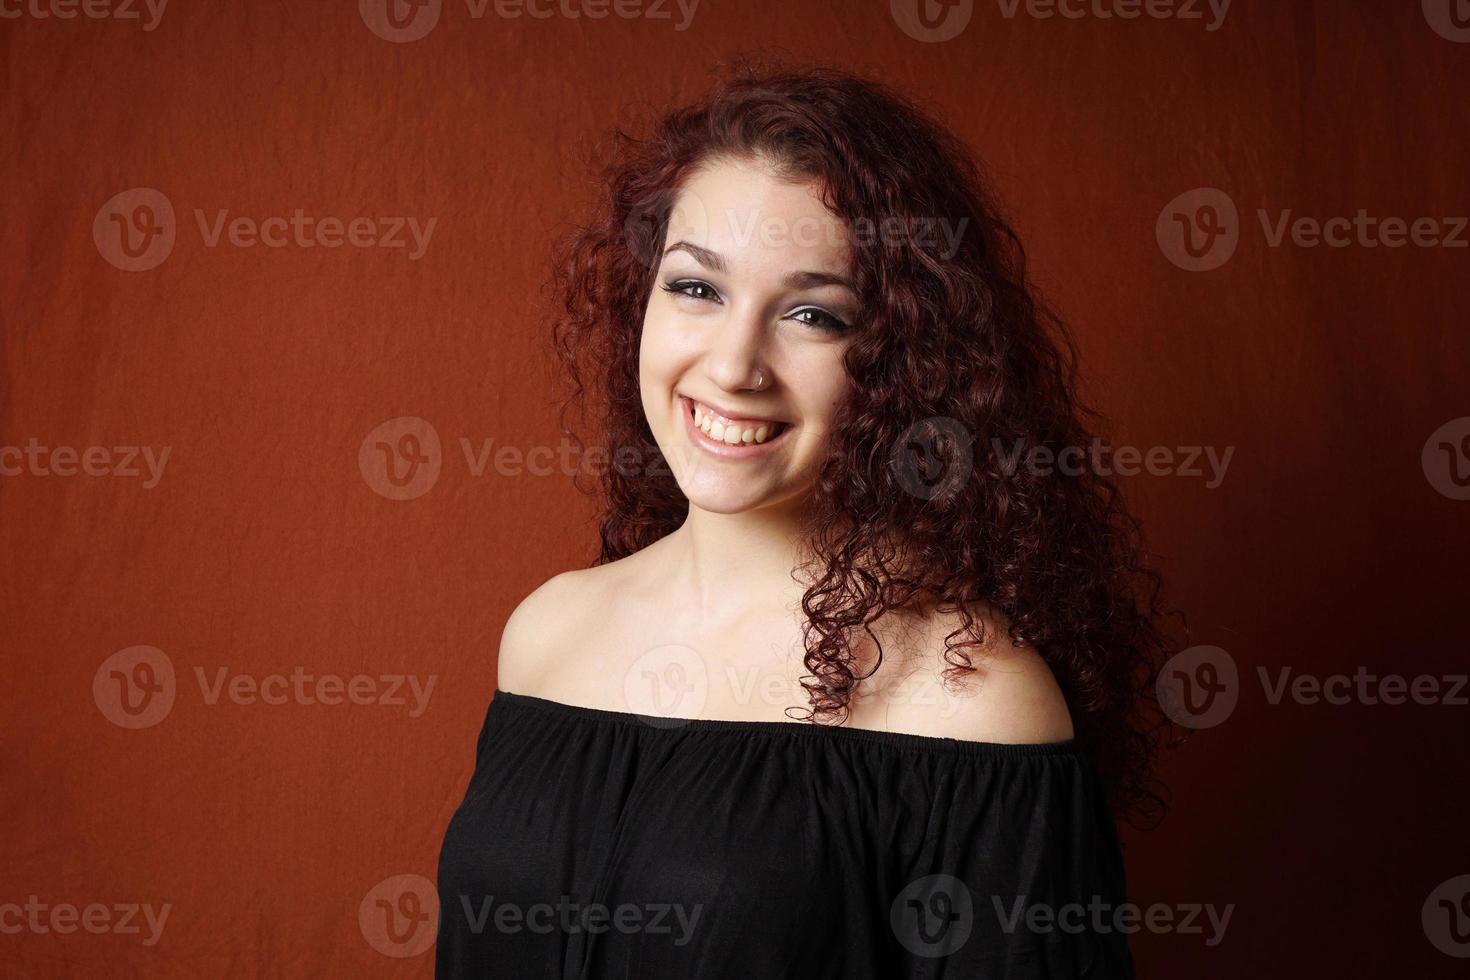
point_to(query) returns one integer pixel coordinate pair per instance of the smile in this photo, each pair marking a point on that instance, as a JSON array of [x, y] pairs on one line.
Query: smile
[[727, 435]]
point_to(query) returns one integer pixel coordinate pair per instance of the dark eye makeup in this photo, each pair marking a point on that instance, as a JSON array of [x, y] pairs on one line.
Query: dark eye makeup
[[810, 316]]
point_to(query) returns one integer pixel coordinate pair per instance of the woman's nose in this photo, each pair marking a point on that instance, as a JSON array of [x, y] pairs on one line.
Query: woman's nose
[[735, 360]]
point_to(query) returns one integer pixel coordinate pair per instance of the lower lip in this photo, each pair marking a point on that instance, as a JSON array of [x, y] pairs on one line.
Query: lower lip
[[741, 450]]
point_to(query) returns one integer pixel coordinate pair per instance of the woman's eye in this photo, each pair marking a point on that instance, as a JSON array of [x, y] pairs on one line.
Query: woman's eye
[[813, 316], [693, 288]]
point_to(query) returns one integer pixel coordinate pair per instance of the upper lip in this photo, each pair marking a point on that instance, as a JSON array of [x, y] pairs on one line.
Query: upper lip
[[733, 415]]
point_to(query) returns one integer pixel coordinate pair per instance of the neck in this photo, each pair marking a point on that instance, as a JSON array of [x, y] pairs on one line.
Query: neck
[[727, 564]]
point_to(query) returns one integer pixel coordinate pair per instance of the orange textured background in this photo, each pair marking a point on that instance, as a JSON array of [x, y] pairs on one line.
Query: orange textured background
[[265, 549]]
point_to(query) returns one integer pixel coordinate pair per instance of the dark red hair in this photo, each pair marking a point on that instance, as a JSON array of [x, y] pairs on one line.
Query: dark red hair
[[953, 355]]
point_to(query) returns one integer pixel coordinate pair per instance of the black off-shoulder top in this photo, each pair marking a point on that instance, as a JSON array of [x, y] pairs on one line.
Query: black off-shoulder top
[[600, 845]]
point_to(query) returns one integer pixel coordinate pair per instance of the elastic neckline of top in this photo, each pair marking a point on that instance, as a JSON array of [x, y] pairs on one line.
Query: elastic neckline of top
[[794, 729]]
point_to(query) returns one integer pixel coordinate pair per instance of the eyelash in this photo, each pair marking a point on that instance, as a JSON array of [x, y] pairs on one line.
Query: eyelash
[[833, 324]]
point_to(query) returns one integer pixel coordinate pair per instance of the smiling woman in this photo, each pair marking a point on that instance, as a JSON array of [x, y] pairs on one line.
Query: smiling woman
[[841, 687]]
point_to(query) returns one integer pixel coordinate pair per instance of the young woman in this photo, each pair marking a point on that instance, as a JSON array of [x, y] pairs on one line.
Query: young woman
[[853, 690]]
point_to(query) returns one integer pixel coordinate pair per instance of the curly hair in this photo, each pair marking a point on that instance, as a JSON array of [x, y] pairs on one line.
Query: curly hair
[[956, 366]]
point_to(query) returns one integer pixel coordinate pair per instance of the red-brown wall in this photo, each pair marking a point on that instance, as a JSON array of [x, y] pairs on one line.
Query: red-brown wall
[[269, 541]]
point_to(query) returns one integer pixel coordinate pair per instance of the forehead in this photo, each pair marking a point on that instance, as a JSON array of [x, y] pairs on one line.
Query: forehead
[[759, 221]]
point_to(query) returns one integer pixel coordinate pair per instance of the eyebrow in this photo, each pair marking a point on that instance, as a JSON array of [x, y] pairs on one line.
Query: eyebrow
[[794, 280]]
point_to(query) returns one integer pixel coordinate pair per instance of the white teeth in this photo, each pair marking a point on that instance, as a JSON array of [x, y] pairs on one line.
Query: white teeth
[[730, 435]]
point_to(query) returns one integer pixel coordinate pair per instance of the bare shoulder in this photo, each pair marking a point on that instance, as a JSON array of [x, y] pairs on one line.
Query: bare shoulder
[[537, 634], [1011, 697]]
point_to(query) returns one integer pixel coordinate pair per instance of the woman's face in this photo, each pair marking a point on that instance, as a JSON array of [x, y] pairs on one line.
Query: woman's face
[[751, 311]]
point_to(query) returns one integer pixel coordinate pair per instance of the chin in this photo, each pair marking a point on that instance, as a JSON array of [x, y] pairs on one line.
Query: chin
[[725, 499]]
